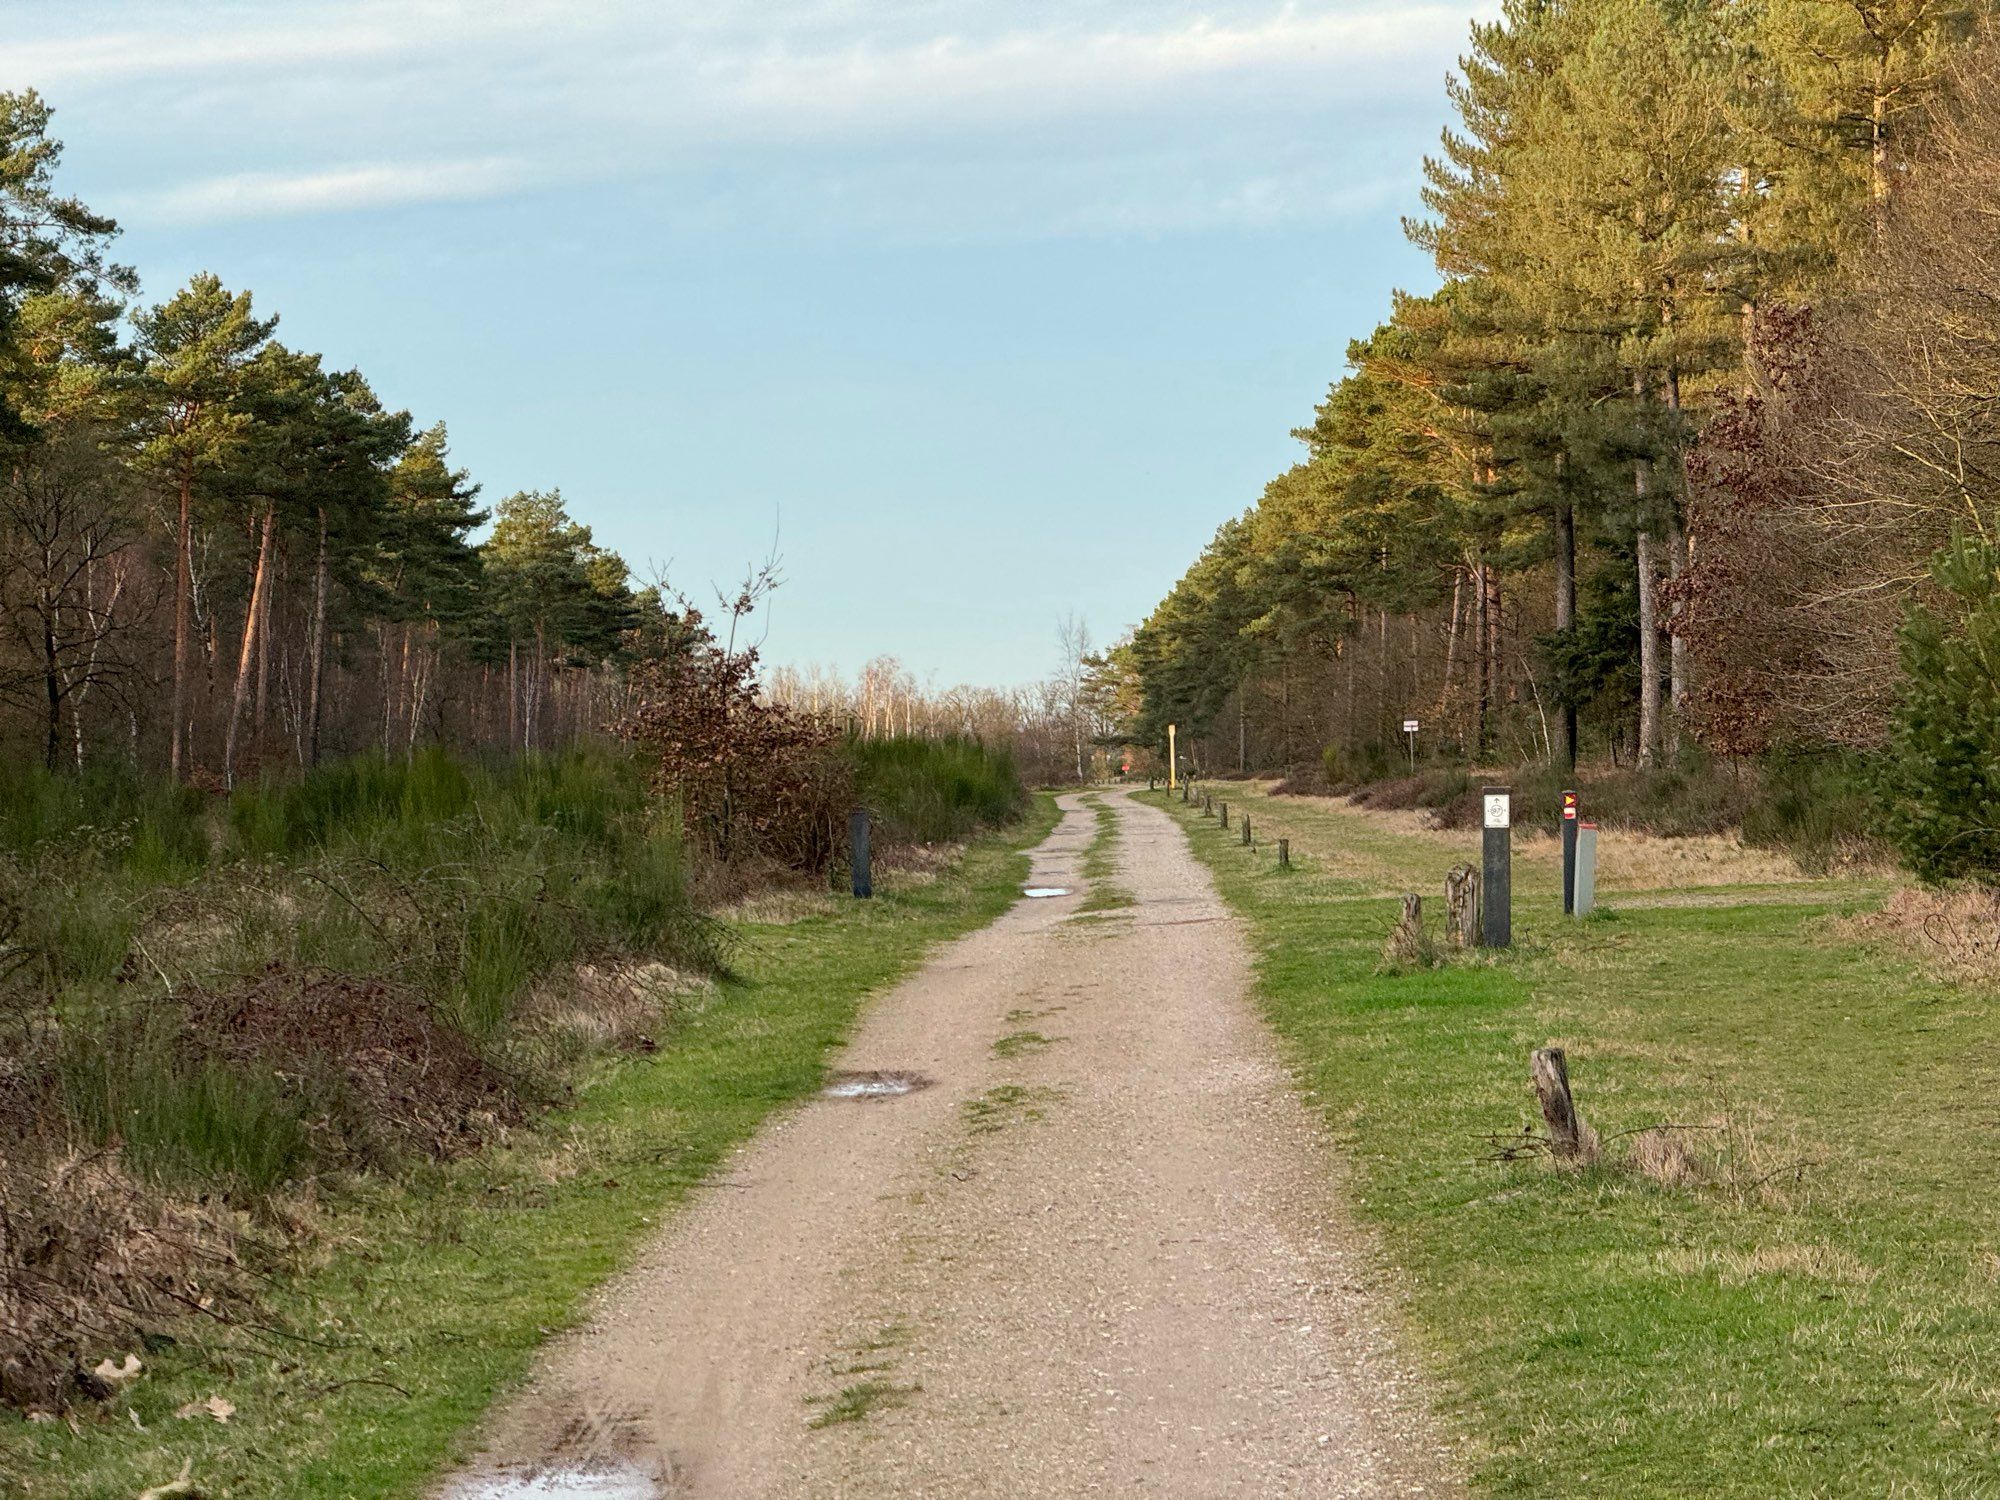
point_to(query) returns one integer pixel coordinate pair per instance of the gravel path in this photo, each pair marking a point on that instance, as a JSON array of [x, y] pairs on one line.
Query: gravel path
[[1103, 1251]]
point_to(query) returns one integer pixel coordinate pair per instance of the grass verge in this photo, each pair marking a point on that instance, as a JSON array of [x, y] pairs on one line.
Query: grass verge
[[444, 1284], [1798, 1295], [1100, 861]]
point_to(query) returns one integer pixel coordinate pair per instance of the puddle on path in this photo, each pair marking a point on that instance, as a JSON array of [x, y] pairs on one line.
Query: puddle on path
[[873, 1085], [1040, 892], [619, 1482]]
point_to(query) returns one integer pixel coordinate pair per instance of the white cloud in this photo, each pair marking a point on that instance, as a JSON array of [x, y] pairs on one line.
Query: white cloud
[[955, 80], [714, 101], [251, 195]]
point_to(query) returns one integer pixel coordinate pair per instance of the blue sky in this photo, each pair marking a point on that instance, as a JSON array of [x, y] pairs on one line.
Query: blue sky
[[988, 311]]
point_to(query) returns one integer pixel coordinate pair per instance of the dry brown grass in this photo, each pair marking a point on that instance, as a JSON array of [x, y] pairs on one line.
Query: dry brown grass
[[1665, 1157], [1811, 1261], [1954, 932], [780, 906], [619, 1007], [91, 1260]]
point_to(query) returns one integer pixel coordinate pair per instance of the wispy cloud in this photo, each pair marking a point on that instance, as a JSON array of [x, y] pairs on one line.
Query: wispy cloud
[[253, 195], [846, 102]]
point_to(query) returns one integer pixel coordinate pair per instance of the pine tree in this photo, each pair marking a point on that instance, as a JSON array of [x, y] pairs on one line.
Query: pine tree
[[194, 348]]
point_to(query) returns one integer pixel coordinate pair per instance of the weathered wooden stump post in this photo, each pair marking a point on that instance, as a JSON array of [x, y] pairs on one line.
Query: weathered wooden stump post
[[1496, 880], [1246, 831], [1461, 906], [1550, 1071], [857, 838], [1225, 815], [1284, 853], [1406, 943]]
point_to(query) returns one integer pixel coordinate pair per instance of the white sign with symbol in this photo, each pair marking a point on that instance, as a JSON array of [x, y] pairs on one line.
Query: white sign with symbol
[[1409, 726], [1499, 810]]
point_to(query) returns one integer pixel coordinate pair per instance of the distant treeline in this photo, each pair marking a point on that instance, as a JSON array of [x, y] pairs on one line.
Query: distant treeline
[[217, 552], [1668, 457]]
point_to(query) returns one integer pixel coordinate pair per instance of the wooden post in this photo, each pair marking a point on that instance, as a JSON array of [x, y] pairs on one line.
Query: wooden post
[[1496, 913], [1550, 1072], [1246, 831], [857, 837], [1461, 906], [1225, 815], [1569, 853], [1285, 853], [1406, 943]]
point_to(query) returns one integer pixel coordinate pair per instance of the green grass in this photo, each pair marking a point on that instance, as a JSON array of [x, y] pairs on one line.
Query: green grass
[[441, 1287], [1817, 1314], [855, 1403], [1100, 862]]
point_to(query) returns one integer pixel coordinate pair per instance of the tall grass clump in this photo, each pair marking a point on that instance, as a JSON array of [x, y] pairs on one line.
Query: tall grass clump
[[935, 791], [384, 904]]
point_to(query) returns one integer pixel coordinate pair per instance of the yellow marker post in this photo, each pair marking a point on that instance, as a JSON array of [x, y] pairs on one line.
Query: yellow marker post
[[1170, 758]]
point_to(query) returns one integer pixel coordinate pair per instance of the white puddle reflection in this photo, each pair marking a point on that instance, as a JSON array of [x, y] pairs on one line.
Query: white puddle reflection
[[1039, 892], [872, 1085], [622, 1483]]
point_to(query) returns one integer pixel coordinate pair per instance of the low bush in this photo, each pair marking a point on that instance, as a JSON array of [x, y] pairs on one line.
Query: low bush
[[1815, 805], [935, 791]]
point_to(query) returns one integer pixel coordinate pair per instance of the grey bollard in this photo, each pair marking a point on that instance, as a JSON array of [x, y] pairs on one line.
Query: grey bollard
[[857, 838], [1586, 868]]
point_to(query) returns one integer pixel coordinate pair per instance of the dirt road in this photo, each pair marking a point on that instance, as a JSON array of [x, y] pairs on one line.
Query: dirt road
[[1100, 1250]]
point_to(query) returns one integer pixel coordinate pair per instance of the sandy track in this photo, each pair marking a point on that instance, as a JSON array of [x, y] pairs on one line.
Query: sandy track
[[1105, 1256]]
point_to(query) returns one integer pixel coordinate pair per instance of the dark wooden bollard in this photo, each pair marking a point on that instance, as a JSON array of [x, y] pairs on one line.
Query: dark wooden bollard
[[1461, 906], [1550, 1071], [1496, 901], [1285, 853], [857, 837], [1246, 831], [1225, 815]]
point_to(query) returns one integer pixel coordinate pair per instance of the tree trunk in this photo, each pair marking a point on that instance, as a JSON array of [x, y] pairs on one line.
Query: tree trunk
[[259, 710], [183, 593], [1677, 563], [1485, 695], [1451, 638], [252, 633], [316, 666], [513, 694], [51, 681], [1566, 613], [1649, 652], [1649, 618]]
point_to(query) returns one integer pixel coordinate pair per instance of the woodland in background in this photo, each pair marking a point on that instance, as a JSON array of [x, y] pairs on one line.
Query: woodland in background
[[1711, 382], [218, 554]]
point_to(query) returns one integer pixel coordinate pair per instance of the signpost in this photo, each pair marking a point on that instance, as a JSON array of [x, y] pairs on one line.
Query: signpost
[[1410, 732], [1569, 853], [1496, 920]]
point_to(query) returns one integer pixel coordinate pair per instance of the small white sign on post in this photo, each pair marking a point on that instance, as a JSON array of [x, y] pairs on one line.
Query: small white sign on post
[[1499, 810], [1409, 726]]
